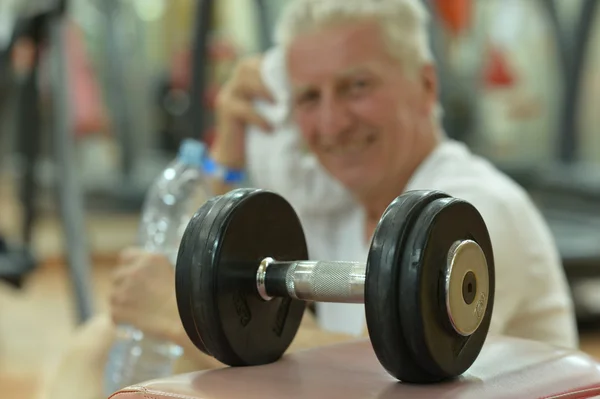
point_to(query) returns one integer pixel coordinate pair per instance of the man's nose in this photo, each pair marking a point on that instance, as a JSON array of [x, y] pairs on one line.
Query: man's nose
[[334, 117]]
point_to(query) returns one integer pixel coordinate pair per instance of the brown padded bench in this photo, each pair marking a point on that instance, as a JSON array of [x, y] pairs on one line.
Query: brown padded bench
[[506, 368]]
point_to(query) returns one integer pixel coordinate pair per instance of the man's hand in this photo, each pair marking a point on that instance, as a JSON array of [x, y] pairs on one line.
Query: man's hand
[[235, 110], [143, 294]]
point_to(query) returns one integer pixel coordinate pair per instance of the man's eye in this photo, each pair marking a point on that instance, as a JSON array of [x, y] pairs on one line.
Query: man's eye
[[357, 87], [307, 98], [360, 84]]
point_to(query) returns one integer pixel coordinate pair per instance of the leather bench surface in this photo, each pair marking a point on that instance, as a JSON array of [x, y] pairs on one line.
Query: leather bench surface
[[506, 368]]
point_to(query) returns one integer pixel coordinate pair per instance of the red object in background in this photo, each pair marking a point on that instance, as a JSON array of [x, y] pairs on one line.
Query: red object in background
[[456, 14], [88, 112], [497, 72]]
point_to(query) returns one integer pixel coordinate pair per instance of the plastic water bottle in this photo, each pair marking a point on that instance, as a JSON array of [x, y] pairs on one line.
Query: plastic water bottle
[[169, 205]]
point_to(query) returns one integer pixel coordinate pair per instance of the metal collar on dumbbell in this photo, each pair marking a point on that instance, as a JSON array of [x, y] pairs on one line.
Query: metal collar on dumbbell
[[261, 276], [466, 286]]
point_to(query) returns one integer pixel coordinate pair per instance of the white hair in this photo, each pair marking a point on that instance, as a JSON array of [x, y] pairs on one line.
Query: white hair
[[404, 25]]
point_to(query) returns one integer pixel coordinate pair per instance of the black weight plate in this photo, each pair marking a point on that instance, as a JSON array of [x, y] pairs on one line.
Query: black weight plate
[[382, 285], [203, 245], [187, 269], [183, 285], [237, 327], [437, 347]]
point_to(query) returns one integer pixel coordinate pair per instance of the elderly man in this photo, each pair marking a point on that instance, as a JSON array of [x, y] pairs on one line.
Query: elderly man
[[362, 89], [359, 80]]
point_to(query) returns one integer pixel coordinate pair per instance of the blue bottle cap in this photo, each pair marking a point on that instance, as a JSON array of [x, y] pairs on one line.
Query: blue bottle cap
[[192, 152]]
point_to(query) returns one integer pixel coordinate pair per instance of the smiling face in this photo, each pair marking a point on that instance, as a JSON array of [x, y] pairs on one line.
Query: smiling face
[[358, 110]]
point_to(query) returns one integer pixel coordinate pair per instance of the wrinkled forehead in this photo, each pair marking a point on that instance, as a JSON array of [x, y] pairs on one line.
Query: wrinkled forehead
[[335, 52]]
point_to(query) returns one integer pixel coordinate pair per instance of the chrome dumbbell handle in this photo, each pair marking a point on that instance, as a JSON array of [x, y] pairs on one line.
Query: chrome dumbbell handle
[[319, 281]]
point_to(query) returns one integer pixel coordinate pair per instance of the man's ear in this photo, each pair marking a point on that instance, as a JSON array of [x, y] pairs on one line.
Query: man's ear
[[429, 84]]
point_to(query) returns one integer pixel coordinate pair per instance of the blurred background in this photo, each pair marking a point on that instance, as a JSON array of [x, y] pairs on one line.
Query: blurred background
[[96, 95]]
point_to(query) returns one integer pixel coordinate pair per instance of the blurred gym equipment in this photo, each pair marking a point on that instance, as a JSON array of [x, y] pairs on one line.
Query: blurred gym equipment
[[567, 192], [120, 62], [15, 264], [573, 54], [198, 117], [44, 23]]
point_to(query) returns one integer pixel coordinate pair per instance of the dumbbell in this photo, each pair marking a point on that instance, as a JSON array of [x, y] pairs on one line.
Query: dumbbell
[[243, 279]]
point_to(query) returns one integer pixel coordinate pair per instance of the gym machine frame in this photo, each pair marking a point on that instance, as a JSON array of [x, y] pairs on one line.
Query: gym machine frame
[[572, 55], [47, 29]]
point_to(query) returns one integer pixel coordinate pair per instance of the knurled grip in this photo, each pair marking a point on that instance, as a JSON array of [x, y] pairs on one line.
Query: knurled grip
[[319, 281]]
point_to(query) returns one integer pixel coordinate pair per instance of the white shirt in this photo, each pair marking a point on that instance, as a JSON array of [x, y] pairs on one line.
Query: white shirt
[[532, 298]]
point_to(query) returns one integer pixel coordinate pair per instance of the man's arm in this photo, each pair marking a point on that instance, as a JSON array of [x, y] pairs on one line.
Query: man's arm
[[234, 112]]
